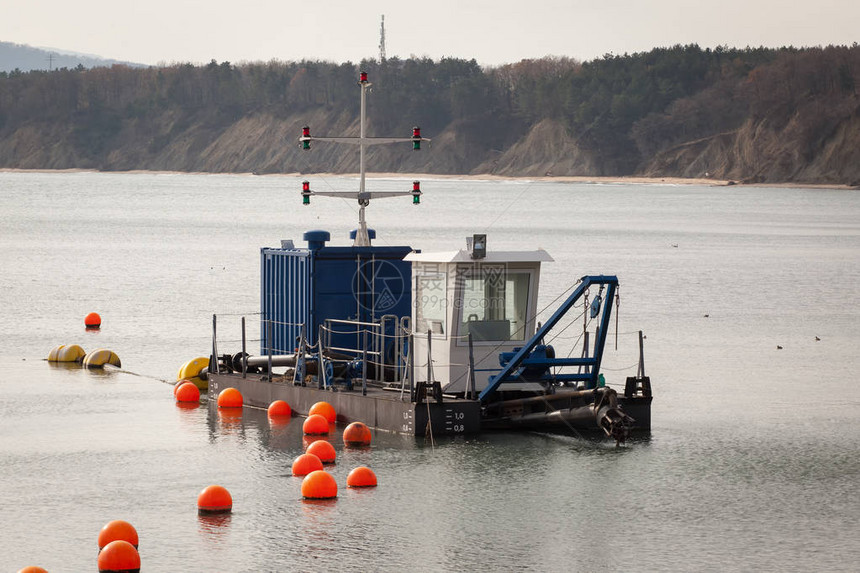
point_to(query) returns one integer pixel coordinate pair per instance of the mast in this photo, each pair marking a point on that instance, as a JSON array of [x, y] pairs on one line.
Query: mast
[[362, 238]]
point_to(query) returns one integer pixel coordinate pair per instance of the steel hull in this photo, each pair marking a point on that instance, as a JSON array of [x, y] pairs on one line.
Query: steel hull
[[393, 411]]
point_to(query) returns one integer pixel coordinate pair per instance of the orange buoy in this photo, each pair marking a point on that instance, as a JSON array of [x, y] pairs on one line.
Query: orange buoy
[[361, 476], [119, 556], [32, 569], [305, 464], [188, 392], [279, 408], [214, 499], [323, 450], [357, 434], [308, 440], [180, 383], [315, 424], [326, 410], [93, 320], [319, 485], [230, 398], [117, 529]]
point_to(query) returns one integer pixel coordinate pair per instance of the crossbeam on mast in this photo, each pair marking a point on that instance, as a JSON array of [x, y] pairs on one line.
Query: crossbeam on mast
[[362, 239]]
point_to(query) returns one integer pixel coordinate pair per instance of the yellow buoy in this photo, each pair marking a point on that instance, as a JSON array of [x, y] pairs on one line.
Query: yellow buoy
[[71, 353], [64, 353], [55, 351], [98, 358], [191, 370]]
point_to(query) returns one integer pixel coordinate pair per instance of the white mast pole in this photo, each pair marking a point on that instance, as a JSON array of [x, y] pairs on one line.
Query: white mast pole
[[362, 239]]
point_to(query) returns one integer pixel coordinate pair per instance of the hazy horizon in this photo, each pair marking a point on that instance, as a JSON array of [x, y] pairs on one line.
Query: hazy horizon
[[492, 33]]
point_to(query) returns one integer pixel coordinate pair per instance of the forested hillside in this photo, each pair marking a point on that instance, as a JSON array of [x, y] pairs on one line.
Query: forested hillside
[[764, 115]]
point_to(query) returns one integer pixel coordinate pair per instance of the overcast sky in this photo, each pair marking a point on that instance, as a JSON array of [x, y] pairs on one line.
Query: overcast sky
[[491, 31]]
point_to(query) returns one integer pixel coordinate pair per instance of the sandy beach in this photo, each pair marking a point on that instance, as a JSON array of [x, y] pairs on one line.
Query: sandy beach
[[633, 180]]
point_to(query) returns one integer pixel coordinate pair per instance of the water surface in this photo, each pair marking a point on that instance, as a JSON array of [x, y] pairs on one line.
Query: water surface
[[753, 462]]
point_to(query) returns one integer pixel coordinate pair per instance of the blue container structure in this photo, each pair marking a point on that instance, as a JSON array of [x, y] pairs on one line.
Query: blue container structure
[[306, 286]]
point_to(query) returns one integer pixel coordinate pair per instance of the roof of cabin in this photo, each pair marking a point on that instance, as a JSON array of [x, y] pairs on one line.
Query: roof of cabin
[[463, 256]]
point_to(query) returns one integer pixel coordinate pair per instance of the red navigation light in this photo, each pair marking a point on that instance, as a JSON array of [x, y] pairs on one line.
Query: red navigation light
[[306, 192], [416, 138], [362, 77], [306, 134], [416, 192]]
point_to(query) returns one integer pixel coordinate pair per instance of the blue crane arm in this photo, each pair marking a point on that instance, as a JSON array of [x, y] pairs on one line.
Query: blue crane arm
[[510, 371]]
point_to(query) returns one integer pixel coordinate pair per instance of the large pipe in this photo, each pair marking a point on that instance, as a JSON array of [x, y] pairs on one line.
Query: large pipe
[[288, 360], [582, 409], [389, 373]]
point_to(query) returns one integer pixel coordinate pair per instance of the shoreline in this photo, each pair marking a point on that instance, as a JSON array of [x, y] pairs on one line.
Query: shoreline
[[617, 180]]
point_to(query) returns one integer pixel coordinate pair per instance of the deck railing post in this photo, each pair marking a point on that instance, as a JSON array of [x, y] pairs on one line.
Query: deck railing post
[[411, 365], [214, 361], [471, 392], [299, 368], [429, 356], [269, 344], [321, 360], [398, 353], [364, 363], [244, 352]]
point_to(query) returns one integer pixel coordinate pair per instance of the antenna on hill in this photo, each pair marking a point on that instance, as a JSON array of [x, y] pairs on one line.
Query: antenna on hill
[[50, 59], [362, 238], [382, 40]]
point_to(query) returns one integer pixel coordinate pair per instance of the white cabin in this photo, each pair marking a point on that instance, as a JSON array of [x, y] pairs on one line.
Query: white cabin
[[490, 294]]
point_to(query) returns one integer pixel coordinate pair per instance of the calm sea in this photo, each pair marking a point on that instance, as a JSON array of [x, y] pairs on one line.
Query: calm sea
[[753, 462]]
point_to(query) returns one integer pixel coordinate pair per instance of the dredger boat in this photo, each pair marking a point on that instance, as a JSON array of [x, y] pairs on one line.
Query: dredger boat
[[417, 342]]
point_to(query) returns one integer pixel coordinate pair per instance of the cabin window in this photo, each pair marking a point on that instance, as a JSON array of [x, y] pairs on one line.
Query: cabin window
[[494, 304], [430, 304]]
